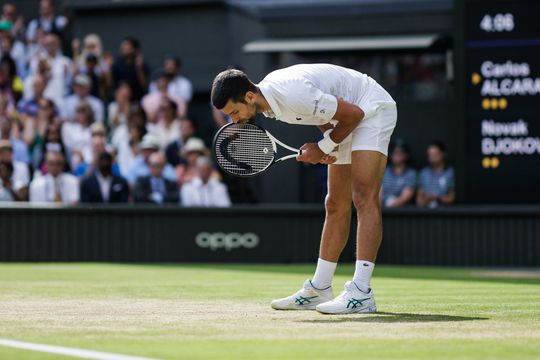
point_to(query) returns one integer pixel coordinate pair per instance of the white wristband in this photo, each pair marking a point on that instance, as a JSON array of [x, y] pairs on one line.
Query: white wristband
[[326, 144]]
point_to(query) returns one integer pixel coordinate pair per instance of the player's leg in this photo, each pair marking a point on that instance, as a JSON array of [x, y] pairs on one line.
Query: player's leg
[[334, 237], [337, 223], [368, 171], [370, 146], [338, 212]]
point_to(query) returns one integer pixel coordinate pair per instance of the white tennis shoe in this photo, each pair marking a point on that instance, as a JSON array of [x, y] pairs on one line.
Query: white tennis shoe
[[351, 301], [304, 299]]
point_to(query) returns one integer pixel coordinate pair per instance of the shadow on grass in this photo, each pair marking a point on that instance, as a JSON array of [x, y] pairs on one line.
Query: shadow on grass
[[392, 317]]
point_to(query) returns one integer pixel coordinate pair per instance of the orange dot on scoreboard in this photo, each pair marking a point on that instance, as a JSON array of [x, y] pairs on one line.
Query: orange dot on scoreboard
[[475, 78]]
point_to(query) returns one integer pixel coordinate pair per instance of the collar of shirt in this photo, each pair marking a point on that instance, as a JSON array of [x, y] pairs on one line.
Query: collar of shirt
[[267, 93]]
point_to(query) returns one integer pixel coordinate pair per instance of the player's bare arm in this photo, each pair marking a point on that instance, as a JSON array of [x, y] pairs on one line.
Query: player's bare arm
[[348, 116]]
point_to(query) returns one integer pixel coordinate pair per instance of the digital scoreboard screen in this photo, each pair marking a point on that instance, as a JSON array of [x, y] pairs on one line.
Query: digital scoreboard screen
[[502, 66]]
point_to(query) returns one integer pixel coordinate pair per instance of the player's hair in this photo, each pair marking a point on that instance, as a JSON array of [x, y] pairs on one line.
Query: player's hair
[[232, 85]]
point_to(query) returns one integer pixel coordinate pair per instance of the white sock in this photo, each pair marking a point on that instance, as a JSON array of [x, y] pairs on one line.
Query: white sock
[[362, 274], [323, 274]]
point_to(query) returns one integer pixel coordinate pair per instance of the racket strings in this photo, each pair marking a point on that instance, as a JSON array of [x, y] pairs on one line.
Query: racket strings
[[243, 149]]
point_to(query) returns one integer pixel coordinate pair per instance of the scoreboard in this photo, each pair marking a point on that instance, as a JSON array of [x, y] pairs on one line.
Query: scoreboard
[[501, 65]]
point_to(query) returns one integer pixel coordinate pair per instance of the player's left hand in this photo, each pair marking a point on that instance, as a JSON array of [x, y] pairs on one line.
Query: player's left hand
[[311, 153]]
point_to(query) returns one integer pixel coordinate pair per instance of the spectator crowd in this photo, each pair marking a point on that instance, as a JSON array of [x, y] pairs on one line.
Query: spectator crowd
[[94, 127]]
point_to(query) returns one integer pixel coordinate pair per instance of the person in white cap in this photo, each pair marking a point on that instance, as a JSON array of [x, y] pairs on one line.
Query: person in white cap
[[150, 144], [81, 92], [192, 150]]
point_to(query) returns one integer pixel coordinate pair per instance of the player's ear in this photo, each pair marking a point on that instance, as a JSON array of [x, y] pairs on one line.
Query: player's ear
[[250, 97]]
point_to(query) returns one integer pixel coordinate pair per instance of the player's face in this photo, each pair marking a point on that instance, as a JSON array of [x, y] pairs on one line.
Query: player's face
[[240, 112]]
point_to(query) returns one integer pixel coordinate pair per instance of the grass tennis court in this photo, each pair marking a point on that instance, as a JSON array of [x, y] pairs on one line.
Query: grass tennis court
[[222, 312]]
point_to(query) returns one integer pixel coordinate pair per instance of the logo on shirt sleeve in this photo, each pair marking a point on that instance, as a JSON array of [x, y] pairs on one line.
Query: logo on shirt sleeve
[[316, 107]]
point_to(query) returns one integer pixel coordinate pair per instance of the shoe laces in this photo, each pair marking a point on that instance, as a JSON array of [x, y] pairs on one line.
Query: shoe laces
[[347, 290], [307, 286]]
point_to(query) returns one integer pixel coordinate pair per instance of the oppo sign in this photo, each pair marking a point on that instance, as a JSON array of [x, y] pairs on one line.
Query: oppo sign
[[227, 241]]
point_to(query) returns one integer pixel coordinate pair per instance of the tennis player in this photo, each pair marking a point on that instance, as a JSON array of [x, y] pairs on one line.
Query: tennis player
[[357, 117]]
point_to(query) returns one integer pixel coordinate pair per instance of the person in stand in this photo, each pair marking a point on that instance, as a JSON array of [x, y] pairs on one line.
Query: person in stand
[[156, 188], [56, 186], [103, 186], [436, 182], [399, 180]]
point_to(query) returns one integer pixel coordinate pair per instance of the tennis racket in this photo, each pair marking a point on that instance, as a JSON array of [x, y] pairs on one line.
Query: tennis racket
[[247, 149]]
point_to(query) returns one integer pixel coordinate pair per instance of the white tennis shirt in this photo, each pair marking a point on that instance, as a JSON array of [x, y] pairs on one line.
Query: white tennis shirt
[[307, 94]]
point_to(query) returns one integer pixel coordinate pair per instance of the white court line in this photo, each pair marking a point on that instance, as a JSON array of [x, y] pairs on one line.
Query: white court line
[[60, 350]]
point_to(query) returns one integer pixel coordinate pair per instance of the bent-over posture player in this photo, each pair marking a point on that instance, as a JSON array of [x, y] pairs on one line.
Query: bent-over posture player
[[357, 117]]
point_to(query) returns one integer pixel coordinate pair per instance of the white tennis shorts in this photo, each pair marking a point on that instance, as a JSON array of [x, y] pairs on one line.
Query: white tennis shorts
[[373, 133]]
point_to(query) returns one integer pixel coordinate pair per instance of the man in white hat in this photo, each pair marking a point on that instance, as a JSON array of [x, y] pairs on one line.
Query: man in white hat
[[205, 190], [149, 145], [194, 145], [192, 150]]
